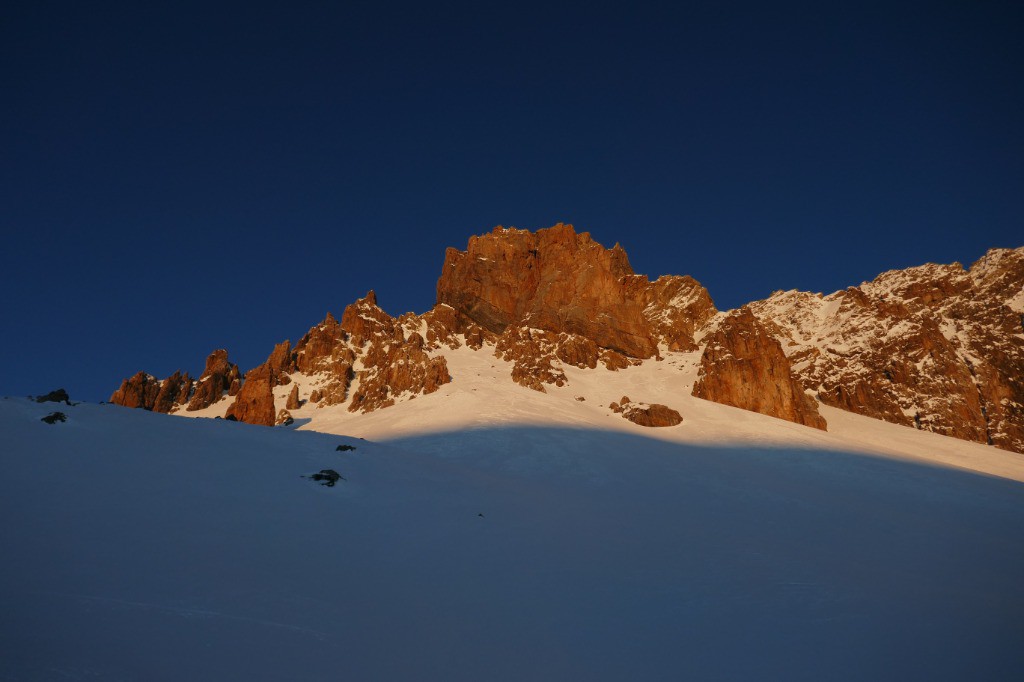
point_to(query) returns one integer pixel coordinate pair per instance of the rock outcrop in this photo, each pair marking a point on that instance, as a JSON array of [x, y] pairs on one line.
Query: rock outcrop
[[553, 280], [174, 391], [532, 353], [557, 296], [643, 414], [145, 391], [293, 398], [394, 363], [324, 352], [219, 377], [58, 396], [744, 366], [138, 391], [281, 363], [934, 347], [254, 403], [675, 307]]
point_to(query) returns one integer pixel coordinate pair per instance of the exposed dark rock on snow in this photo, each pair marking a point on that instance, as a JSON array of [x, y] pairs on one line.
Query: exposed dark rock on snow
[[327, 477], [58, 396]]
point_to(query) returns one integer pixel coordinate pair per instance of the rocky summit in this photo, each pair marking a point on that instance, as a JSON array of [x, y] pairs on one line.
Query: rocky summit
[[935, 347]]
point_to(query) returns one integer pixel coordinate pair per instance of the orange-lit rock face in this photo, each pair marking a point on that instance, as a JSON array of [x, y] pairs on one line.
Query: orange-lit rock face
[[936, 347], [293, 398], [744, 366], [544, 300], [324, 351], [393, 362], [254, 403], [532, 353], [675, 307], [653, 415], [218, 377], [174, 391], [138, 391], [555, 280], [146, 392]]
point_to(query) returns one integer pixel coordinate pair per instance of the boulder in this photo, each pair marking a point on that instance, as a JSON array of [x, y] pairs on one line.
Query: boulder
[[58, 396], [327, 477], [653, 415]]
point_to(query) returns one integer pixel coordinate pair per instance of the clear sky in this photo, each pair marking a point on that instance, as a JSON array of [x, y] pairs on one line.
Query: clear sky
[[178, 177]]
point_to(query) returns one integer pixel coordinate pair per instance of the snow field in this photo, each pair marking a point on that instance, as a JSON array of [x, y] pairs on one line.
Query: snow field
[[143, 546]]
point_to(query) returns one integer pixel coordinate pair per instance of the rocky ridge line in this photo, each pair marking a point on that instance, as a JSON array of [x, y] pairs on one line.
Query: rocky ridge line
[[934, 347]]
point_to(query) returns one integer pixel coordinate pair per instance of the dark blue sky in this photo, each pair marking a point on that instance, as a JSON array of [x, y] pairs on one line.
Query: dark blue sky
[[178, 177]]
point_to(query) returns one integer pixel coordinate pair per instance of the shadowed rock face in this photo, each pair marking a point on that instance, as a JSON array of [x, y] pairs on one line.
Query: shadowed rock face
[[744, 366]]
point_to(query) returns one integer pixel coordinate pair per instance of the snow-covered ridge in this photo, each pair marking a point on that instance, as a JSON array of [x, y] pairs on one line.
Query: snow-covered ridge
[[935, 346]]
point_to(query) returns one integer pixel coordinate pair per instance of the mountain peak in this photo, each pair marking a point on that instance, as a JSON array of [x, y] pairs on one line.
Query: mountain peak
[[933, 347]]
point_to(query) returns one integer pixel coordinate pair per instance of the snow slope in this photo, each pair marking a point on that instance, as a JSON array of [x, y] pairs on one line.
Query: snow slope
[[481, 396], [500, 534]]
